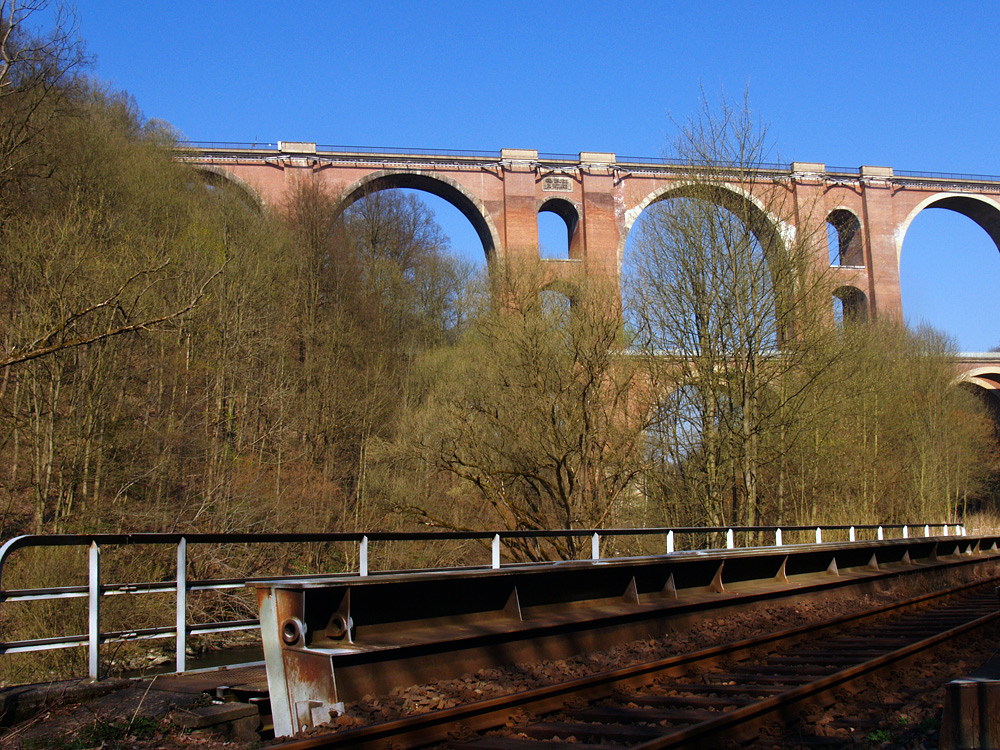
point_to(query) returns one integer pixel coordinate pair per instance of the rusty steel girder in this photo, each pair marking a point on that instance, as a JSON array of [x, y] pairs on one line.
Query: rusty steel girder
[[336, 638]]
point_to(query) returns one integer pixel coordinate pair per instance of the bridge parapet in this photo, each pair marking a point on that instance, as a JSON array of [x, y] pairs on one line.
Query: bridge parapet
[[195, 150]]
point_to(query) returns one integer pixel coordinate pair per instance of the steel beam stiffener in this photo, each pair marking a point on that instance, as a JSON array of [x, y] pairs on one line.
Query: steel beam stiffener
[[300, 680], [335, 638]]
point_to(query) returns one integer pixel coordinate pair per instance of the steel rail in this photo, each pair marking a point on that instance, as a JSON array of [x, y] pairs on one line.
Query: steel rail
[[746, 718], [438, 726]]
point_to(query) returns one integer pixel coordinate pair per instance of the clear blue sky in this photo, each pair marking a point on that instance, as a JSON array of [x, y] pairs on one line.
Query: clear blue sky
[[913, 85]]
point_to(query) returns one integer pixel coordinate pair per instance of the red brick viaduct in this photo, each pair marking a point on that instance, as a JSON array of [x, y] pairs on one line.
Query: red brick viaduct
[[600, 196]]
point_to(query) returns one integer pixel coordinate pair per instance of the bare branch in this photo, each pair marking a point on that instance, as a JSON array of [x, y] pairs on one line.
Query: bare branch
[[35, 351]]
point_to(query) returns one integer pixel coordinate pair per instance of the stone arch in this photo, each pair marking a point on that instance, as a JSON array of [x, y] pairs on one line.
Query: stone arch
[[982, 210], [559, 298], [570, 290], [444, 187], [850, 251], [678, 397], [218, 175], [569, 212], [772, 234], [984, 382], [766, 227], [855, 303], [986, 376]]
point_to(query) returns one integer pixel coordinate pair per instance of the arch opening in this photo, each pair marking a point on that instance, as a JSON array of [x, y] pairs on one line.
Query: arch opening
[[692, 252], [949, 266], [850, 306], [558, 220], [442, 187], [557, 306], [390, 252], [220, 179], [843, 238], [984, 384], [769, 231]]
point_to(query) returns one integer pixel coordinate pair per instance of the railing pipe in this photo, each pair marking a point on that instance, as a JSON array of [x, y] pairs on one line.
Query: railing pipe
[[730, 539], [495, 562], [363, 557], [777, 537], [595, 547], [94, 612], [181, 653], [670, 542]]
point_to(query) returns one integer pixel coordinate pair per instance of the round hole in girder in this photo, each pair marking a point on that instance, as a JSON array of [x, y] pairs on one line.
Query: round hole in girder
[[337, 628], [292, 631]]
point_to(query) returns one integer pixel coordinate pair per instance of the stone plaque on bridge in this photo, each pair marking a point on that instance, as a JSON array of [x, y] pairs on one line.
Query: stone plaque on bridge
[[557, 184]]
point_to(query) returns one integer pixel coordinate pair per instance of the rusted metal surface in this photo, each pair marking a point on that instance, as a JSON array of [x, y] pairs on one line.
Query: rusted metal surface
[[333, 639], [736, 708], [301, 685]]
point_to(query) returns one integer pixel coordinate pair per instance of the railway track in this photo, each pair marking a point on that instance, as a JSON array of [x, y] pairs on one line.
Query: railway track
[[699, 699]]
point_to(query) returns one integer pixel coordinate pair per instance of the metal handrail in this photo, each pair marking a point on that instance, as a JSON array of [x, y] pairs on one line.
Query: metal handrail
[[397, 151], [946, 175], [229, 145], [544, 156], [670, 161], [94, 590], [673, 161]]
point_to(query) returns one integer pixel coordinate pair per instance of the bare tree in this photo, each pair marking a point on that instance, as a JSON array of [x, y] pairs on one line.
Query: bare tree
[[36, 71], [722, 288], [537, 415]]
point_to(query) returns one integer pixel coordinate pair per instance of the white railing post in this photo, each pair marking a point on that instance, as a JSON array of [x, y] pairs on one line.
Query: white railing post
[[730, 540], [777, 538], [595, 547], [927, 529], [670, 541], [881, 534], [946, 530], [906, 532], [495, 564], [363, 557], [180, 660], [819, 535], [852, 535], [94, 611]]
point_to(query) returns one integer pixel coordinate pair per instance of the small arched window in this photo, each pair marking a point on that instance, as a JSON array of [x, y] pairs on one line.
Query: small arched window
[[558, 239], [843, 238], [850, 305]]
